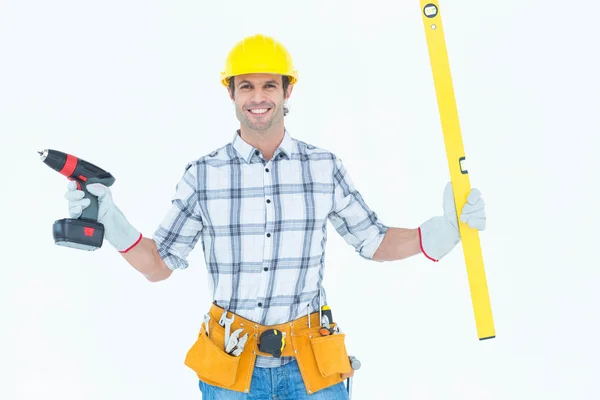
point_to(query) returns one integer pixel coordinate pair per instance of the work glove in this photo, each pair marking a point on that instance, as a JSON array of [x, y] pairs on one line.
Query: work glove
[[117, 230], [440, 234]]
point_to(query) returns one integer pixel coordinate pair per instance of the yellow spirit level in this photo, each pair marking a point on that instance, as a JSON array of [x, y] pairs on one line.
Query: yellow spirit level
[[440, 67]]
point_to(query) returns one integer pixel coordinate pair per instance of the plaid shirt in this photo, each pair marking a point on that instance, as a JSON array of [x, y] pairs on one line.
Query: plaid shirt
[[262, 226]]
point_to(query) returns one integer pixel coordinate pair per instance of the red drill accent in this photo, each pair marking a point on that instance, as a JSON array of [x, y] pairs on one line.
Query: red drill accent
[[88, 231], [69, 167]]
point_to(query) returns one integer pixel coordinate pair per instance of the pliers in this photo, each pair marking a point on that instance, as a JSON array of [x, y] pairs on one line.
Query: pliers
[[235, 346]]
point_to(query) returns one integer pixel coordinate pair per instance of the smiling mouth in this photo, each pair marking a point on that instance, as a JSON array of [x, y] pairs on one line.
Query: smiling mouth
[[259, 111]]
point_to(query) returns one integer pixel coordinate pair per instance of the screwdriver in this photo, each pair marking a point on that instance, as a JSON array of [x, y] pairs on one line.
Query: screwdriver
[[326, 320]]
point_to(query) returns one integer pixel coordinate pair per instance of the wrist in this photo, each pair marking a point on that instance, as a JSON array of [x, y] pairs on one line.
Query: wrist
[[132, 240], [119, 232], [422, 247], [437, 237]]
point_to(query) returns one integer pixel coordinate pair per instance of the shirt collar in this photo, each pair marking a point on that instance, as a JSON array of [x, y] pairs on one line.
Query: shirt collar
[[246, 150]]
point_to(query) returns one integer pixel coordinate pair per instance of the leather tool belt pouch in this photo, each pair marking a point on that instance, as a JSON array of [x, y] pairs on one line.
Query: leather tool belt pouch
[[321, 359]]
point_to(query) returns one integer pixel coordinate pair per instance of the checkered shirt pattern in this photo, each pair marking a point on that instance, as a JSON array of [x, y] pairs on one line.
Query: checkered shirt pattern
[[262, 225]]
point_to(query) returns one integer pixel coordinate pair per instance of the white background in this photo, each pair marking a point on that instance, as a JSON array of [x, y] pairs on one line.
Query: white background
[[133, 86]]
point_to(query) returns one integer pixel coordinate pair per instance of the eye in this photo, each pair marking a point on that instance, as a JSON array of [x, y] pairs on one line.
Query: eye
[[245, 86]]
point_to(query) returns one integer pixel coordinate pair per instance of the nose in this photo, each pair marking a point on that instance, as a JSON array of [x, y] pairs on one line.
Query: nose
[[258, 97]]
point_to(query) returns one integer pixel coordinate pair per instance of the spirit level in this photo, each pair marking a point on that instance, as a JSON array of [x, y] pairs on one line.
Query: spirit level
[[440, 67]]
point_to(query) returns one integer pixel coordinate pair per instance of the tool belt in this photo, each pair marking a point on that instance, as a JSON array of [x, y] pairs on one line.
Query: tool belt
[[321, 359]]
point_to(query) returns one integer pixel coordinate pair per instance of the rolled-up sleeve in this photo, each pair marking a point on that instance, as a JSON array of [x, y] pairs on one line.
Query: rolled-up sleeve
[[352, 218], [178, 233]]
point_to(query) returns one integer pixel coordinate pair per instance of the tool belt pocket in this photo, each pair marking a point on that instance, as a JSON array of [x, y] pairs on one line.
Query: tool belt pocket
[[330, 354], [211, 362]]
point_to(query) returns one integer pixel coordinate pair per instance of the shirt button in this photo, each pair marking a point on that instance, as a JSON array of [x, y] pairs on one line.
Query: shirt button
[[268, 235], [268, 201], [256, 152], [260, 304], [267, 169], [266, 269]]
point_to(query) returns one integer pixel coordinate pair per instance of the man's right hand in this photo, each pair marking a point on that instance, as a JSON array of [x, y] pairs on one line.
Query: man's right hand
[[117, 230]]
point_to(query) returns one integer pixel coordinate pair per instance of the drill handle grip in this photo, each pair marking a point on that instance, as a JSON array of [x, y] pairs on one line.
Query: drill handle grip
[[91, 211]]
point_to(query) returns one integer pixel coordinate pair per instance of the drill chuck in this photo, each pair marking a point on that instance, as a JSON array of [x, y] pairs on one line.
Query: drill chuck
[[58, 161]]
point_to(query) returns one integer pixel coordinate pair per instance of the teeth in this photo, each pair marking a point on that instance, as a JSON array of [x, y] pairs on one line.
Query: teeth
[[259, 111]]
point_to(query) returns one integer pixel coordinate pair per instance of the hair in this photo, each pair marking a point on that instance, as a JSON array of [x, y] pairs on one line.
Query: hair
[[285, 82]]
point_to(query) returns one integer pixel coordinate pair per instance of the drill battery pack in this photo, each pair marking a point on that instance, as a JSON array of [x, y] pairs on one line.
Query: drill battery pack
[[83, 234]]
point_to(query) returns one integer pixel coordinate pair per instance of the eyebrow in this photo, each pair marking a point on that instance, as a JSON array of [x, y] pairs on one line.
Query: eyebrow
[[266, 83]]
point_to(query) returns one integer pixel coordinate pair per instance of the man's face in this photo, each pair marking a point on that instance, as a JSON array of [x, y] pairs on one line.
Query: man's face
[[259, 100]]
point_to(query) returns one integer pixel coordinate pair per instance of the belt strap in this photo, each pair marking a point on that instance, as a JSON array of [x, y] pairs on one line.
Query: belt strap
[[291, 328]]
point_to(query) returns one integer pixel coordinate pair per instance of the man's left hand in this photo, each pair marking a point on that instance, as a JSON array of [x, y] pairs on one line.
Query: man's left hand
[[440, 234], [472, 212]]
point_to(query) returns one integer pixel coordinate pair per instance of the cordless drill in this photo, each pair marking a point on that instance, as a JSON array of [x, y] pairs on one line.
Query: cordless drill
[[85, 232]]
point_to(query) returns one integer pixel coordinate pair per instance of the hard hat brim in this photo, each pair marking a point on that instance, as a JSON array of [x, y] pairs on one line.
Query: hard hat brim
[[225, 78]]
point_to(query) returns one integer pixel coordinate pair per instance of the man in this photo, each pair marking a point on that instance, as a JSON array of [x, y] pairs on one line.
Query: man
[[260, 206]]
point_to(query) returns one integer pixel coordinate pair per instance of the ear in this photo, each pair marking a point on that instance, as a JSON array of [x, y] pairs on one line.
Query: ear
[[229, 91], [290, 88]]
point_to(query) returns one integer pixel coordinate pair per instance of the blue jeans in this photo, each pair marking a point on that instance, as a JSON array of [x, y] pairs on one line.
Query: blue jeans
[[282, 383]]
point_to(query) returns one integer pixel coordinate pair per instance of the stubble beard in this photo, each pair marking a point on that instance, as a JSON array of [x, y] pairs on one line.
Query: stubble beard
[[276, 117]]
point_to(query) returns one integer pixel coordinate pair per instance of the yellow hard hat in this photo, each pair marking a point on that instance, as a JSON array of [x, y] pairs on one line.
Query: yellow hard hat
[[258, 54]]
